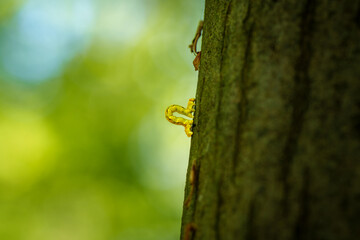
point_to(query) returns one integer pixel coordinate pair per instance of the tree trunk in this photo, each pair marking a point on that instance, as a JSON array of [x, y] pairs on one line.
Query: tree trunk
[[276, 146]]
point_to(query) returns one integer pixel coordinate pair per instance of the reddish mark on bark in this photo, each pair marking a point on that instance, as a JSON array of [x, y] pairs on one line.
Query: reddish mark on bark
[[192, 181], [190, 229]]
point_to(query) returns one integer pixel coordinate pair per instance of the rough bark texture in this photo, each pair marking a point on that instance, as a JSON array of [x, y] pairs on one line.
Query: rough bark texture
[[276, 141]]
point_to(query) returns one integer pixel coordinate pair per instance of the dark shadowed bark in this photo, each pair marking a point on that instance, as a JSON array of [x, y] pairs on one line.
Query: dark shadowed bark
[[276, 142]]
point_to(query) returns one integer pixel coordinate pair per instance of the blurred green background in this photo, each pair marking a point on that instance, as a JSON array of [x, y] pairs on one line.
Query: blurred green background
[[85, 150]]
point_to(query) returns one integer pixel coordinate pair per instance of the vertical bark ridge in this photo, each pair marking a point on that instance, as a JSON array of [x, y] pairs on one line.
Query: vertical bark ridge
[[242, 116], [301, 94], [242, 105], [224, 47], [228, 161]]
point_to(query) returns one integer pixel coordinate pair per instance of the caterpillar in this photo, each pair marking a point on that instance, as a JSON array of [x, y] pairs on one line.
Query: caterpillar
[[188, 111]]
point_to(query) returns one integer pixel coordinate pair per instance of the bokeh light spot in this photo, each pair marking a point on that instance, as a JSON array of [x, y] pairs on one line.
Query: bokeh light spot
[[43, 36], [25, 150]]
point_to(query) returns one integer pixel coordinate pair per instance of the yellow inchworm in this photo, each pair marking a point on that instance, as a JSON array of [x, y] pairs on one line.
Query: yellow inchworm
[[188, 111]]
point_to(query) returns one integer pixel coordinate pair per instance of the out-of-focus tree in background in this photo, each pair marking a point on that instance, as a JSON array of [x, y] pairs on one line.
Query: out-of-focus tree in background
[[85, 150]]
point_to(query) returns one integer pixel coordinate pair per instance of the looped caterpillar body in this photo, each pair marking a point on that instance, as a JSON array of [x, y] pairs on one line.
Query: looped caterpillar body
[[188, 111]]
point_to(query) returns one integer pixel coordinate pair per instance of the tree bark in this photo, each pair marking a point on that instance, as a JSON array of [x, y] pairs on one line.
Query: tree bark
[[276, 146]]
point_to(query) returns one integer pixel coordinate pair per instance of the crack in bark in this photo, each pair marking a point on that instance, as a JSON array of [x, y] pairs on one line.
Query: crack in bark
[[357, 18], [301, 224], [241, 106], [242, 111], [218, 213], [202, 89], [247, 16], [250, 231], [220, 94], [300, 101]]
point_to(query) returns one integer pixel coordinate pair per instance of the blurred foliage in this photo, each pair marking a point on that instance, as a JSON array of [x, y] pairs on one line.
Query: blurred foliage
[[85, 150]]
